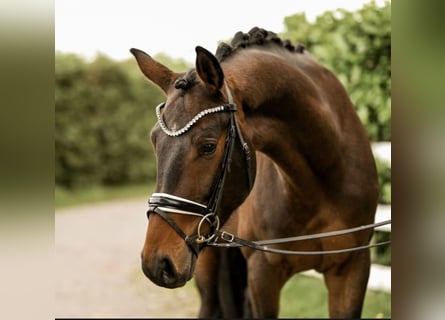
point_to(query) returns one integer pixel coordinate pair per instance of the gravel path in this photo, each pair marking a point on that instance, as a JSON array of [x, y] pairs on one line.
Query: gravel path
[[98, 270]]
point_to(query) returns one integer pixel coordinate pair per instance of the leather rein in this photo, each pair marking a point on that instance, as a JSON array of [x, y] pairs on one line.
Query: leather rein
[[162, 203]]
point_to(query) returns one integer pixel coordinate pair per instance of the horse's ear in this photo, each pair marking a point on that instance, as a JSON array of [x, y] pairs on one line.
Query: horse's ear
[[209, 69], [153, 70]]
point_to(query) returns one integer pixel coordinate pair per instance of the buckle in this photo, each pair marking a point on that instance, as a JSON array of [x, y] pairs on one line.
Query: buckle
[[227, 236]]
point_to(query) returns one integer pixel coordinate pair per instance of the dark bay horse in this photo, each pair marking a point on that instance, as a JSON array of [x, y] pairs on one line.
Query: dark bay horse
[[262, 141]]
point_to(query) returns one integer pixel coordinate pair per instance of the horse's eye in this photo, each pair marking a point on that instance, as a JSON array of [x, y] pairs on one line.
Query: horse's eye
[[207, 148]]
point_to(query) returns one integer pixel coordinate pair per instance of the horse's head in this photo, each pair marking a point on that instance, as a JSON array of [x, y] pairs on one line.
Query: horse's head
[[202, 166]]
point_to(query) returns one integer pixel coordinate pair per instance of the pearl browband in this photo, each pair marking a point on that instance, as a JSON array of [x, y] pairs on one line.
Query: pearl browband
[[230, 106], [175, 133]]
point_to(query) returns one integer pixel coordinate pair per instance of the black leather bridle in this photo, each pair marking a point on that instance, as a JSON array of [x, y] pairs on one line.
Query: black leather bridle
[[161, 203]]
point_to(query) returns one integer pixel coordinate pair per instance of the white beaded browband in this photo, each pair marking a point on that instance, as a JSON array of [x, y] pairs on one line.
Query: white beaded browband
[[174, 133], [191, 122]]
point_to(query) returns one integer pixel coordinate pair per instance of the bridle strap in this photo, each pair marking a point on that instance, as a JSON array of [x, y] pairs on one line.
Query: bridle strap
[[161, 203], [244, 144], [169, 202], [233, 132], [252, 245], [234, 241], [190, 241], [248, 158], [215, 198]]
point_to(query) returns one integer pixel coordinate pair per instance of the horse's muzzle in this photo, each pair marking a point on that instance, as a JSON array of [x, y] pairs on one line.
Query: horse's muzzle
[[163, 272]]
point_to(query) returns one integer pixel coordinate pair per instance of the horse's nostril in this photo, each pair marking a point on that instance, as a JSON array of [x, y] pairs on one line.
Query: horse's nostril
[[162, 271], [166, 270]]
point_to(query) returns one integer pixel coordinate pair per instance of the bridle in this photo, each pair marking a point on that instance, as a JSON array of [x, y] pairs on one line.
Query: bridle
[[161, 203]]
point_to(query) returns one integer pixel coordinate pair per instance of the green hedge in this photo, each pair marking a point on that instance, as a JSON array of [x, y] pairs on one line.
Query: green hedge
[[384, 172], [103, 114], [356, 46]]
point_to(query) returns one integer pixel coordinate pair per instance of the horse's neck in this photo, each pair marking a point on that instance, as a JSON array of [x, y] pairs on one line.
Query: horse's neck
[[288, 116]]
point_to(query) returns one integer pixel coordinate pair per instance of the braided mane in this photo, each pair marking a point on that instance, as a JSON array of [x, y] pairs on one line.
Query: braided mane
[[256, 36]]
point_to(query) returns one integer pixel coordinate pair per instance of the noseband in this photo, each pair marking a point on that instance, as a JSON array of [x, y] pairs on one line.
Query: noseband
[[161, 203]]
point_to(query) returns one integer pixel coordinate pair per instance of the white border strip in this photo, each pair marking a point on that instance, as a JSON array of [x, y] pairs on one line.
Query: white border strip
[[166, 195]]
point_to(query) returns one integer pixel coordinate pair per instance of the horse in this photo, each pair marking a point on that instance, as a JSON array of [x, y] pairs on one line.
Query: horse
[[264, 141]]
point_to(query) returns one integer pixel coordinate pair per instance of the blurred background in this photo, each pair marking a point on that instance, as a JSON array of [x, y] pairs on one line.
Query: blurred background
[[104, 108]]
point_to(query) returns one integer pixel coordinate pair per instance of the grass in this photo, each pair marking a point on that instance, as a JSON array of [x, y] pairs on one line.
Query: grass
[[92, 194], [306, 297]]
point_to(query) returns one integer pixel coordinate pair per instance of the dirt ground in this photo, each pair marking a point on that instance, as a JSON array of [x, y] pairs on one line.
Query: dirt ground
[[98, 274]]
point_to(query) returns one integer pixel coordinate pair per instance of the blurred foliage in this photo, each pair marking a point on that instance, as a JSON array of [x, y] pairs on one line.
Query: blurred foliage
[[356, 46], [384, 175], [173, 64], [104, 109], [97, 193], [381, 254], [103, 114]]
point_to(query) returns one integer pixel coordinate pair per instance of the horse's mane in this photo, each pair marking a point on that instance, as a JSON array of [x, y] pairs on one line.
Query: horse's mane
[[255, 37]]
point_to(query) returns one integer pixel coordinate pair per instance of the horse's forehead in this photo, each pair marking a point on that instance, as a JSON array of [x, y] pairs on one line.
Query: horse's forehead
[[171, 147], [171, 156], [181, 107]]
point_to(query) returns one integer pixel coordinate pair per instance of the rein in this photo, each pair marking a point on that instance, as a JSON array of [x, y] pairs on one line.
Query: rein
[[161, 203], [233, 241]]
